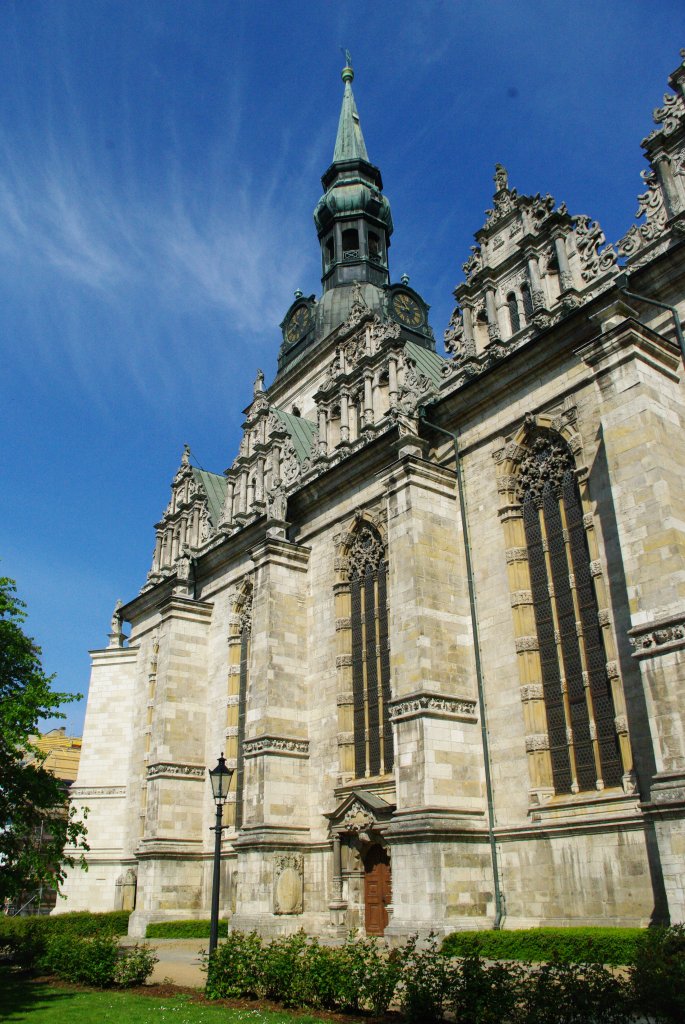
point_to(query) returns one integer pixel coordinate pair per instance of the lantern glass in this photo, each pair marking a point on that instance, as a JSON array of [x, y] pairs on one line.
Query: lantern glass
[[220, 778]]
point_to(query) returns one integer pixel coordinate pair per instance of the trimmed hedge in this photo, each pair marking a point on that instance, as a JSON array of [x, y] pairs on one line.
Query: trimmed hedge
[[614, 946], [183, 929]]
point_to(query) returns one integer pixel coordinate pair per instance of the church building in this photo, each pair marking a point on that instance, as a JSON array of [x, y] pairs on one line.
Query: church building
[[433, 612]]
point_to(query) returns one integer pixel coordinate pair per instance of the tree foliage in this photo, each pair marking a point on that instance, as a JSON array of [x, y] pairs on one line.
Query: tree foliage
[[34, 823]]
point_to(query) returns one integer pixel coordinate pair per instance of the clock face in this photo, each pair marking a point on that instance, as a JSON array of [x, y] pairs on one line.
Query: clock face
[[298, 323], [407, 309]]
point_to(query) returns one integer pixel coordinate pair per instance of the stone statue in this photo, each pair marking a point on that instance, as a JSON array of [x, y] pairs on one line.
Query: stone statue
[[259, 383], [277, 502], [501, 178]]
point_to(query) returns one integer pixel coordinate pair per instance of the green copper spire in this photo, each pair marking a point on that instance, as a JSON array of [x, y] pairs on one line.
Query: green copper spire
[[349, 144]]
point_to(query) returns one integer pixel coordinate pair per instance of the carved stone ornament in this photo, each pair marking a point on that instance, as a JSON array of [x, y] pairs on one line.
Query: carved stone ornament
[[455, 338], [537, 741], [288, 883], [532, 691], [431, 705], [474, 263], [357, 819], [547, 462], [658, 638], [170, 769], [365, 553], [276, 745], [96, 792], [358, 311]]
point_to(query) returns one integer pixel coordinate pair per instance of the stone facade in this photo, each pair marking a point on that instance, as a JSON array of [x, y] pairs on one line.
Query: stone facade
[[434, 611]]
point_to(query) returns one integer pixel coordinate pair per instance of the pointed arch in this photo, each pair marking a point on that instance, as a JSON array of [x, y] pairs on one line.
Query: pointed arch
[[364, 661], [570, 686]]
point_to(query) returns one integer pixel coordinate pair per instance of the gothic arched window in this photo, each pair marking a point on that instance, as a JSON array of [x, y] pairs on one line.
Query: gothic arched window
[[527, 303], [514, 319], [367, 572], [576, 688]]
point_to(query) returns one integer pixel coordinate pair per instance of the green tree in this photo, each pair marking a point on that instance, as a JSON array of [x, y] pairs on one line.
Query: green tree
[[34, 822]]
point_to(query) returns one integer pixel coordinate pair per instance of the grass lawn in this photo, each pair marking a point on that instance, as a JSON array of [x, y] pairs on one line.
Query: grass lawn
[[42, 1003]]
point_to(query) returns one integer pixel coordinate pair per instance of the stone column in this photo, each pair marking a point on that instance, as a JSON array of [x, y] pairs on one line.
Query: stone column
[[344, 418], [323, 431], [664, 172], [565, 275], [537, 294], [368, 401], [392, 381], [491, 313], [469, 338], [157, 560]]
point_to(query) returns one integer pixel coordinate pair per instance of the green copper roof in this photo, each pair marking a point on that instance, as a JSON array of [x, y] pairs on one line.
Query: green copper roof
[[301, 432], [214, 487], [428, 363], [349, 144]]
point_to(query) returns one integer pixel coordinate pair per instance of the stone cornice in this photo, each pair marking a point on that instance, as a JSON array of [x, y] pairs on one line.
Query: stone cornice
[[628, 340], [432, 705]]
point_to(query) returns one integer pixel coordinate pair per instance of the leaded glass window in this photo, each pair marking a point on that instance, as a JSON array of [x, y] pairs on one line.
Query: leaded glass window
[[245, 637], [579, 707], [367, 578]]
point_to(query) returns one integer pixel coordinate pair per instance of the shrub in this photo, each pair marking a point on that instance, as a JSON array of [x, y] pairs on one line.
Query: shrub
[[281, 969], [481, 993], [657, 974], [559, 993], [183, 929], [91, 961], [372, 973], [568, 945], [97, 961], [234, 969], [134, 966], [425, 982]]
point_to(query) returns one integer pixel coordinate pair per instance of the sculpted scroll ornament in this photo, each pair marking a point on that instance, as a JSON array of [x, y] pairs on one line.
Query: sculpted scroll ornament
[[589, 239], [455, 340]]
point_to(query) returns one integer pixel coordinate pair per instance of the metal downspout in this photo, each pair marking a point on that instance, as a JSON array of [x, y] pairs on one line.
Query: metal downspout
[[499, 898]]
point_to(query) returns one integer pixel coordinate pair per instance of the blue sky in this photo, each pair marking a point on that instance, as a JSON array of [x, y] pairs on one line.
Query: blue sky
[[159, 164]]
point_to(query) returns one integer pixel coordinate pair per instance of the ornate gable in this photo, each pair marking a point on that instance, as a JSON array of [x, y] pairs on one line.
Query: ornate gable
[[661, 207], [533, 264]]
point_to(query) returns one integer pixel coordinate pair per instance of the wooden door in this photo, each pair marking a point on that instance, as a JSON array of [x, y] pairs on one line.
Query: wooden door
[[377, 890]]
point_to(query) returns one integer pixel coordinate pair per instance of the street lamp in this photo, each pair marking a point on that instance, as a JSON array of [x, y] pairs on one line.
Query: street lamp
[[220, 778]]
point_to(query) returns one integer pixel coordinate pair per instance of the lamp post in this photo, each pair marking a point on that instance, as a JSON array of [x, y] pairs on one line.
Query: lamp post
[[220, 778]]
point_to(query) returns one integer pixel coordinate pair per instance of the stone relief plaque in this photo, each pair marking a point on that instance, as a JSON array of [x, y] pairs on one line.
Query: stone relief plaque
[[288, 884]]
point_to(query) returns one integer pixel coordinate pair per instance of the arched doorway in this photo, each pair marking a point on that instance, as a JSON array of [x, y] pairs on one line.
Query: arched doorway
[[377, 890]]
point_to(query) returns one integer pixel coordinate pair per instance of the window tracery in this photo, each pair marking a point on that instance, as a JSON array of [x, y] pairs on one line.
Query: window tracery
[[573, 697], [365, 658]]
